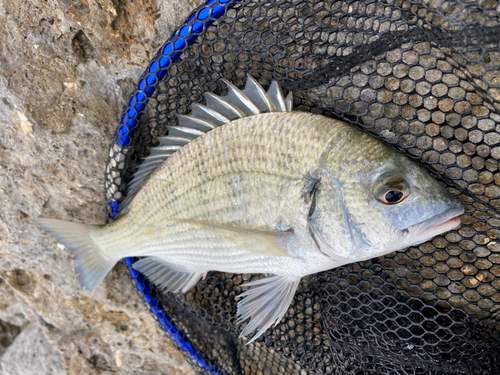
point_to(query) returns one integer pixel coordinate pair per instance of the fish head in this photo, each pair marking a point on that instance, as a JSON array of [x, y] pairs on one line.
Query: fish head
[[372, 200]]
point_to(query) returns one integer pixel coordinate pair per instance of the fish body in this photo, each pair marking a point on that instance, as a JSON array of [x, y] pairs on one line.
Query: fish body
[[280, 192], [247, 176]]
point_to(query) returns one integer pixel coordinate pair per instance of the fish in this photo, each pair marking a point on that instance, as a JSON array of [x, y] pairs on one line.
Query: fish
[[244, 184]]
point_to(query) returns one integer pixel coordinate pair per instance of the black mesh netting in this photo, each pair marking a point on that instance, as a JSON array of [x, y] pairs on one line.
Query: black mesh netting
[[424, 77]]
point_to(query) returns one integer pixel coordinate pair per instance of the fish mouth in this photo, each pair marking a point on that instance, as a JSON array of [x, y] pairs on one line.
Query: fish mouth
[[438, 224]]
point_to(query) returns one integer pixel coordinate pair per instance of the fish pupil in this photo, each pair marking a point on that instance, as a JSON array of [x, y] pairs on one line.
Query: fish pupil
[[393, 196]]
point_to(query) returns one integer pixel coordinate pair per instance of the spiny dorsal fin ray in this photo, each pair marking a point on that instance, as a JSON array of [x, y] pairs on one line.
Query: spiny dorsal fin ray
[[258, 95], [252, 100], [157, 156], [183, 131], [223, 106], [164, 150], [277, 97], [289, 102], [203, 112], [238, 97], [196, 123], [173, 141]]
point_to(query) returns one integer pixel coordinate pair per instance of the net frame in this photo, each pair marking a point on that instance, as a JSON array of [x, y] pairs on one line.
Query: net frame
[[341, 333]]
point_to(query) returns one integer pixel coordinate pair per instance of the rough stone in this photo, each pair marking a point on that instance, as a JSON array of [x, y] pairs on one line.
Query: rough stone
[[66, 70], [31, 353]]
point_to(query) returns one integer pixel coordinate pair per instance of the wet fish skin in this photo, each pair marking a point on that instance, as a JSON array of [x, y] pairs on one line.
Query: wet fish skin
[[370, 228], [287, 193], [248, 174]]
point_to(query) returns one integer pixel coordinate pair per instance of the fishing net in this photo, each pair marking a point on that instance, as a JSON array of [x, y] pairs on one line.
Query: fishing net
[[422, 76]]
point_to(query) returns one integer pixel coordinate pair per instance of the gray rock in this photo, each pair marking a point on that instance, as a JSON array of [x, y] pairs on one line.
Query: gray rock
[[66, 70], [31, 353]]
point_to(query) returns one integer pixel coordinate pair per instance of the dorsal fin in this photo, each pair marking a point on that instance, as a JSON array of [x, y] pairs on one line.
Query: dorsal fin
[[252, 100]]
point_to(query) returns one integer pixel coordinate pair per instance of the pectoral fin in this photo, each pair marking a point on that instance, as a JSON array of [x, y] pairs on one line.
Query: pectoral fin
[[166, 276], [265, 303], [254, 241]]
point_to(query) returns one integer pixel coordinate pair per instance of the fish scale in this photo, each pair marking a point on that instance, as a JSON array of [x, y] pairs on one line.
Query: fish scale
[[269, 191], [182, 184], [186, 173]]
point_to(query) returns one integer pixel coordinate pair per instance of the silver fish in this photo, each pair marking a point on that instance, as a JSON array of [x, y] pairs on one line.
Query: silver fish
[[245, 185]]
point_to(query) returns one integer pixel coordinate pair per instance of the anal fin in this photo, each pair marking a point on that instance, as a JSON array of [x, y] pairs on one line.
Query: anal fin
[[265, 303], [165, 276]]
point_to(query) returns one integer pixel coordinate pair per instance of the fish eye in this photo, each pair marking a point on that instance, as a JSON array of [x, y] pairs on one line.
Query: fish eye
[[393, 197], [391, 188]]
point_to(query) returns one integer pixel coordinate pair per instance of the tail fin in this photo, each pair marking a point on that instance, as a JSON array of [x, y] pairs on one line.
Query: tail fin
[[91, 264]]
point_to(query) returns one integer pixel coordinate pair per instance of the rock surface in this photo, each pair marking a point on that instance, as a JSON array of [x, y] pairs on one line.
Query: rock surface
[[66, 69]]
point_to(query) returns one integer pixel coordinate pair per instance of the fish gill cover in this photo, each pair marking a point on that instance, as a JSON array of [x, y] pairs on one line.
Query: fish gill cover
[[422, 76]]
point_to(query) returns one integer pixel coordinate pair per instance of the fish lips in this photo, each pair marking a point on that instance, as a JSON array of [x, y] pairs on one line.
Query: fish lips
[[438, 224]]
